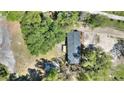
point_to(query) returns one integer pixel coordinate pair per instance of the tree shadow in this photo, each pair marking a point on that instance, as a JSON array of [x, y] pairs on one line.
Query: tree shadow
[[33, 75]]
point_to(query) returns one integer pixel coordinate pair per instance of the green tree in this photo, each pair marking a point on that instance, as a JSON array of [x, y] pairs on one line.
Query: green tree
[[52, 75], [97, 20], [96, 65], [3, 72], [14, 15], [118, 72], [41, 31], [31, 18]]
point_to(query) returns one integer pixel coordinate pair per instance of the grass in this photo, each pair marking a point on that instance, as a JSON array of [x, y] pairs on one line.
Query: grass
[[52, 53]]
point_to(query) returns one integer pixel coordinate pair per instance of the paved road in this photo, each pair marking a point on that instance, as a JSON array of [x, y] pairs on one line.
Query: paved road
[[6, 55], [112, 16]]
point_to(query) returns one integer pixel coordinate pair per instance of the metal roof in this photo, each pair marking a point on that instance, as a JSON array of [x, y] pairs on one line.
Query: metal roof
[[73, 47]]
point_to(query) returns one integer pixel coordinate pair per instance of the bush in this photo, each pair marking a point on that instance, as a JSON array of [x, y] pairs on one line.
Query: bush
[[3, 72], [102, 21], [14, 15], [118, 72], [96, 65], [52, 75]]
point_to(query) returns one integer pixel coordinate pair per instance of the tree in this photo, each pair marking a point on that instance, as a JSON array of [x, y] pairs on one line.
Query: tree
[[32, 75], [52, 75], [31, 18], [118, 72], [96, 65], [41, 31], [3, 72], [67, 18], [96, 20], [14, 15]]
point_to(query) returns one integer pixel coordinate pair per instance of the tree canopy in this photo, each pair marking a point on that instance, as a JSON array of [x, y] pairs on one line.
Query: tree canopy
[[13, 15], [52, 75], [96, 65], [97, 20], [42, 31], [118, 72], [3, 72]]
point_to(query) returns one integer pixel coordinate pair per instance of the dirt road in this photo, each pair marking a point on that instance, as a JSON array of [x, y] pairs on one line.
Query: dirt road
[[111, 16], [6, 54]]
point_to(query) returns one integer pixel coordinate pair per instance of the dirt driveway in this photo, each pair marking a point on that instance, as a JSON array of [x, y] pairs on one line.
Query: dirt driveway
[[6, 54], [24, 59]]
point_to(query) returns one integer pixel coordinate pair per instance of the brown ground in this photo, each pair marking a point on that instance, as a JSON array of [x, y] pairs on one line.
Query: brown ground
[[22, 56]]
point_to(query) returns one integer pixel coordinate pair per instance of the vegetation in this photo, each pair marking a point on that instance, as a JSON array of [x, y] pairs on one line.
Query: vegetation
[[52, 75], [3, 72], [96, 65], [32, 75], [118, 72], [42, 31], [102, 21], [13, 15], [119, 13]]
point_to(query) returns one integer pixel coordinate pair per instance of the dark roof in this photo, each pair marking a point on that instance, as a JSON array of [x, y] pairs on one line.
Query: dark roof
[[73, 47]]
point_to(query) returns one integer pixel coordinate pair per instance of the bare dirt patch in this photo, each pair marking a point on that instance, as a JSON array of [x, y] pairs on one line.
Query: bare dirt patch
[[22, 56]]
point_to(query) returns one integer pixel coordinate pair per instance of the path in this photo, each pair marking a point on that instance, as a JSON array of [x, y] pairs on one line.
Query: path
[[111, 16]]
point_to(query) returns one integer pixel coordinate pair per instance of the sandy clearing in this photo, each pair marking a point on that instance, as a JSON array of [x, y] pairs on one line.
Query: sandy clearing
[[24, 59], [6, 54]]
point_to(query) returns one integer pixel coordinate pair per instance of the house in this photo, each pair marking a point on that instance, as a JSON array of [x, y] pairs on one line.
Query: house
[[73, 47]]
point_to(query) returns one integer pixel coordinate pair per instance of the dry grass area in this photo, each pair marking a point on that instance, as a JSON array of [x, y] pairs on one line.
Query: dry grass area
[[55, 52], [51, 54], [22, 56]]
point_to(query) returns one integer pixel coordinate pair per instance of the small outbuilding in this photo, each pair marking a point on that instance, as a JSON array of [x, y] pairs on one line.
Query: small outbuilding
[[64, 48]]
